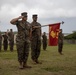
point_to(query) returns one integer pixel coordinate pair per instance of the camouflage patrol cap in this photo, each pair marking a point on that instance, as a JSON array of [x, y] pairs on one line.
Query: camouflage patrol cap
[[24, 14], [35, 15]]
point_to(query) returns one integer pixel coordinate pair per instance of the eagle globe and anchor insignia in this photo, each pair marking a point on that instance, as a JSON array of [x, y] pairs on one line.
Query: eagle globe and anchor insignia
[[53, 34]]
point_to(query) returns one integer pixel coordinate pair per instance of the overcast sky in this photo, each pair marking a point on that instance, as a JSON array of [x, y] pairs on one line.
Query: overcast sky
[[49, 11]]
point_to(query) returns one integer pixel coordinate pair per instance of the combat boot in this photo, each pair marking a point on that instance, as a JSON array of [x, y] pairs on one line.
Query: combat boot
[[26, 66], [37, 62], [21, 66]]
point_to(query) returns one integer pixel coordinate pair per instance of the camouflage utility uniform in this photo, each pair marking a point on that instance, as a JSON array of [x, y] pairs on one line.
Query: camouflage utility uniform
[[44, 41], [60, 42], [22, 40], [11, 40], [36, 41], [5, 42]]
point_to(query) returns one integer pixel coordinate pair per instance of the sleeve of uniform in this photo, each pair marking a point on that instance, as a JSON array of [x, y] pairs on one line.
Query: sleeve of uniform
[[40, 29], [32, 29], [16, 23]]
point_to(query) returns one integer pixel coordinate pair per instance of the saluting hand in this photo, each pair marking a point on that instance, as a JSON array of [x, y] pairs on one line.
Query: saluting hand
[[20, 17]]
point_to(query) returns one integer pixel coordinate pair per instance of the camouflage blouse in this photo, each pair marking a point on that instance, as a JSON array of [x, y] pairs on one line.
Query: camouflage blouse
[[36, 31], [24, 29]]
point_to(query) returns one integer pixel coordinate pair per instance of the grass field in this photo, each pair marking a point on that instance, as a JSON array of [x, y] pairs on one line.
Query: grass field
[[52, 62]]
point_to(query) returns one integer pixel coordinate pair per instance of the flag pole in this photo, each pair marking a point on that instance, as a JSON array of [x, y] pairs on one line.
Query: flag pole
[[52, 24], [47, 25]]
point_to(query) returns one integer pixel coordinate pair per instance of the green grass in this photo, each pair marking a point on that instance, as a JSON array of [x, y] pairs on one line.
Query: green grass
[[52, 62]]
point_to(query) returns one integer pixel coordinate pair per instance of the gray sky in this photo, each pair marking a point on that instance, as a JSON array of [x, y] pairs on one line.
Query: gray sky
[[49, 11]]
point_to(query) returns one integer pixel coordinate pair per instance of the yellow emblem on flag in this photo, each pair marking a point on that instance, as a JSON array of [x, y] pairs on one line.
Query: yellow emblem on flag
[[53, 34]]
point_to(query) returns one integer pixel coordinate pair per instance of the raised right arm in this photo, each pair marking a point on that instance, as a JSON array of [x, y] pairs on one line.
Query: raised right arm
[[13, 21]]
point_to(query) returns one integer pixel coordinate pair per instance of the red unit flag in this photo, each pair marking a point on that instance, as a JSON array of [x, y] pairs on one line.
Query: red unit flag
[[53, 34]]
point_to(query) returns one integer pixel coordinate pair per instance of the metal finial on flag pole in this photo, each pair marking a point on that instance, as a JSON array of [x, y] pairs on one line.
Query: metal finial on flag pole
[[62, 22]]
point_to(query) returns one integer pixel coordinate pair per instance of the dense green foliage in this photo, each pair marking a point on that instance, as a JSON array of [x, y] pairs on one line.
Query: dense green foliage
[[71, 36]]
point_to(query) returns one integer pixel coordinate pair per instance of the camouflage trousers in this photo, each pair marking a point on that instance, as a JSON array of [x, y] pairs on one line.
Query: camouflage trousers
[[5, 45], [11, 44], [60, 46], [35, 48], [22, 50], [44, 45]]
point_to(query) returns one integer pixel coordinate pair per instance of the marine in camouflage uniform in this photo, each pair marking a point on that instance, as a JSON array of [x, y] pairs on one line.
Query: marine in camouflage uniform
[[44, 41], [0, 41], [11, 39], [60, 41], [36, 39], [5, 41], [22, 40]]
